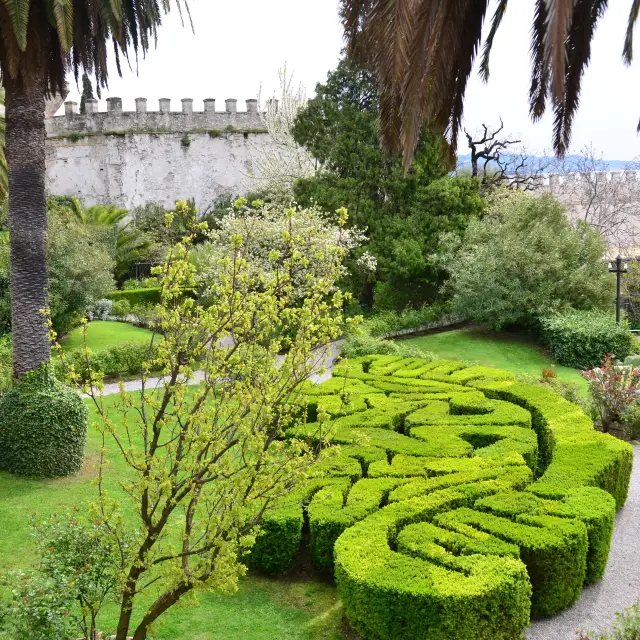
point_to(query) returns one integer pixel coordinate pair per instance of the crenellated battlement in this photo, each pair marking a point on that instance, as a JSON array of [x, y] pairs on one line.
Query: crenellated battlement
[[164, 120]]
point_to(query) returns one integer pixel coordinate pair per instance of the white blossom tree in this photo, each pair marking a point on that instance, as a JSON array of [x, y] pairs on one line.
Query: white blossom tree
[[277, 164]]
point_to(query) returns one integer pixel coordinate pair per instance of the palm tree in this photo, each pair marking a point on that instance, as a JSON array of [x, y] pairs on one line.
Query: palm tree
[[40, 42], [131, 245], [423, 51], [4, 178]]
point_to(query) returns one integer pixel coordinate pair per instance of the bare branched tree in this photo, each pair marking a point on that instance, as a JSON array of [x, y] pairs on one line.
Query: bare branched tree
[[608, 201], [498, 161]]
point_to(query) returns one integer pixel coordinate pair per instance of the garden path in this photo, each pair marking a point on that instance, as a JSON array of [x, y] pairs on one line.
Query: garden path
[[324, 360], [620, 587]]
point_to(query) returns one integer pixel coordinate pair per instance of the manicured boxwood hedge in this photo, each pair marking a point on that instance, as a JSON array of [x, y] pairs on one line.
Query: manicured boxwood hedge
[[459, 503]]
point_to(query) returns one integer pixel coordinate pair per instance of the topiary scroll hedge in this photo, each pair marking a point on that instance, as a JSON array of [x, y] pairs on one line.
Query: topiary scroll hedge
[[460, 502]]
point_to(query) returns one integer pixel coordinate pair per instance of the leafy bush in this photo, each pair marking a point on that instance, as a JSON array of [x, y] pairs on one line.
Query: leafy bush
[[390, 321], [121, 308], [135, 297], [365, 344], [144, 283], [100, 310], [78, 572], [631, 421], [524, 260], [581, 339], [118, 359], [267, 248], [80, 270], [43, 426]]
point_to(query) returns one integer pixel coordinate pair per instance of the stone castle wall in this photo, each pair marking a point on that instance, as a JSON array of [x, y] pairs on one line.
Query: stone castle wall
[[130, 158]]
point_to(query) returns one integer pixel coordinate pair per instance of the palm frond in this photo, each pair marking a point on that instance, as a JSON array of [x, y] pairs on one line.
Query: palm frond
[[539, 69], [585, 18], [58, 37], [63, 14], [422, 53], [488, 45], [104, 214], [559, 14], [627, 52], [18, 13]]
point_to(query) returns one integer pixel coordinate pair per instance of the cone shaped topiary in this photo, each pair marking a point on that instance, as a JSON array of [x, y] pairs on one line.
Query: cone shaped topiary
[[43, 427]]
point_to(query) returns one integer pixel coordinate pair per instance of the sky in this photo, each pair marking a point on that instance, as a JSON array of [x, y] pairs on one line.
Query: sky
[[238, 48]]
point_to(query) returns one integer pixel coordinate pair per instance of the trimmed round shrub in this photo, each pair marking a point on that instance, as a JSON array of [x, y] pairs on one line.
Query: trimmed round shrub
[[581, 339], [43, 427]]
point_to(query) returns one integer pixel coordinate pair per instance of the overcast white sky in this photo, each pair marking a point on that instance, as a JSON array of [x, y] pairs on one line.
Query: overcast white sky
[[237, 46]]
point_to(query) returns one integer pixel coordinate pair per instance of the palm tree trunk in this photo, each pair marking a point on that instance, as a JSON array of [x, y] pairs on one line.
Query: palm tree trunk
[[25, 140]]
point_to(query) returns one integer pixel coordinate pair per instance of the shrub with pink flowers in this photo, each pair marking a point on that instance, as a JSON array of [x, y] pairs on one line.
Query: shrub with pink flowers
[[614, 390]]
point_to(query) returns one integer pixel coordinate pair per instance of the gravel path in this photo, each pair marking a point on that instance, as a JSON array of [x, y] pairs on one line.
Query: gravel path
[[324, 360], [620, 587], [596, 609]]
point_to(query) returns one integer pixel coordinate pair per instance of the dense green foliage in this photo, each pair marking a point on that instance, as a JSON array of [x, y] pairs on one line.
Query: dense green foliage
[[581, 339], [524, 260], [136, 297], [80, 269], [78, 572], [120, 358], [364, 343], [80, 263], [429, 514], [402, 215], [43, 426]]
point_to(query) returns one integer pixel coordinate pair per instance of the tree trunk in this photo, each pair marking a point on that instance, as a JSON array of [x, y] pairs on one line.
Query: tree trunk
[[25, 140], [474, 163]]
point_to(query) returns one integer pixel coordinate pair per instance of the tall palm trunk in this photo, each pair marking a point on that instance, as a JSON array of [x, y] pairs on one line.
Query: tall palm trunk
[[25, 140]]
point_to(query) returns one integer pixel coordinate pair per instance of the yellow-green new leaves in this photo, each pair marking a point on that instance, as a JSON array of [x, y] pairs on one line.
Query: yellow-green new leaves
[[205, 462]]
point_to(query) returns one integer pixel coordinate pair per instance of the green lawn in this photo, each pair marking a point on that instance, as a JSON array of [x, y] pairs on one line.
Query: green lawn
[[102, 334], [513, 352], [298, 607]]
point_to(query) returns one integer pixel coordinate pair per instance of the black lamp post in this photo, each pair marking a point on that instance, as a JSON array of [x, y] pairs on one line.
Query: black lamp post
[[618, 267]]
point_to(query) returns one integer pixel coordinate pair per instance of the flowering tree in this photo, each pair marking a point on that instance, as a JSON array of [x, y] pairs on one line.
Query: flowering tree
[[281, 162], [204, 463], [319, 235]]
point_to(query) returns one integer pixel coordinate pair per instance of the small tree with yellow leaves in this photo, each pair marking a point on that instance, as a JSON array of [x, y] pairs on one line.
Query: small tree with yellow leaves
[[205, 462]]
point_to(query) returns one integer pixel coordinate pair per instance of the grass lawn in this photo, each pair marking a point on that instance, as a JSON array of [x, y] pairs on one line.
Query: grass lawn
[[102, 334], [297, 607], [509, 351]]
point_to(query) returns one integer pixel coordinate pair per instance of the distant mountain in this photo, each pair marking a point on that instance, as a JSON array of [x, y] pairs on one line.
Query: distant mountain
[[571, 162]]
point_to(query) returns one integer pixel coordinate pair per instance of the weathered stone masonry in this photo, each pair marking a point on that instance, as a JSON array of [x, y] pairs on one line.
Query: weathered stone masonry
[[130, 158]]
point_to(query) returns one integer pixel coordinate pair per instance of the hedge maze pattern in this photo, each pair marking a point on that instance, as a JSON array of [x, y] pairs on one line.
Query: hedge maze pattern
[[461, 502]]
